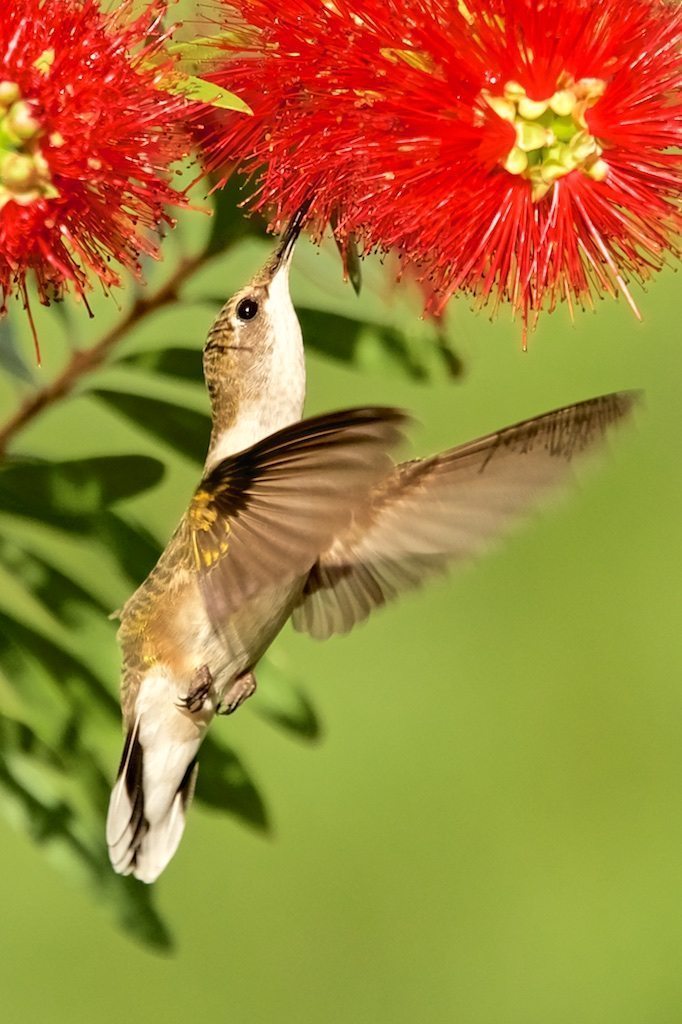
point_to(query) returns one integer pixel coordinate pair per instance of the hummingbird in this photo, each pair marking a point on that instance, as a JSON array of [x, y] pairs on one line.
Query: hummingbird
[[304, 519]]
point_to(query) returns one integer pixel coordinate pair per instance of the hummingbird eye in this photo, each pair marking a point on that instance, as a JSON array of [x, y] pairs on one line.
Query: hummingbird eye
[[247, 309]]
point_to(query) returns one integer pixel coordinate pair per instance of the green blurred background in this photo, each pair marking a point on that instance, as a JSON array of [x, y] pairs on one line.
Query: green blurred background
[[488, 828]]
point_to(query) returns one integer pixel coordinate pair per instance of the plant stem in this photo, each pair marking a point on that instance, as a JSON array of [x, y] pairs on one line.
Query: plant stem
[[84, 361]]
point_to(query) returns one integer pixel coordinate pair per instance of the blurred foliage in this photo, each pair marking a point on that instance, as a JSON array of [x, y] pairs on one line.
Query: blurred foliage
[[82, 521]]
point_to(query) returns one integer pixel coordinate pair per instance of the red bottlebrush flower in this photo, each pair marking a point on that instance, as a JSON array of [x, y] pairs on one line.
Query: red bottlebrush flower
[[519, 150], [85, 143]]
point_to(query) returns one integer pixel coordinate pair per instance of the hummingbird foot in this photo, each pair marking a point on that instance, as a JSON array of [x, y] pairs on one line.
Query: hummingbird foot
[[197, 696], [240, 690]]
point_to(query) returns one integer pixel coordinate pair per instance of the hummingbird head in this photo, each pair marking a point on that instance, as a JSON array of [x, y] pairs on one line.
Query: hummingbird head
[[253, 357]]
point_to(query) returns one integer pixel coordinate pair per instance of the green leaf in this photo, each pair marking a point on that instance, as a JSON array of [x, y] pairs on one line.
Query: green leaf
[[452, 362], [75, 642], [135, 548], [34, 787], [224, 783], [85, 556], [184, 430], [57, 591], [352, 269], [334, 336], [349, 340], [10, 356], [229, 221], [134, 905], [53, 786], [280, 700], [74, 489], [35, 807], [42, 704], [63, 674], [183, 363], [20, 602], [180, 83], [201, 49]]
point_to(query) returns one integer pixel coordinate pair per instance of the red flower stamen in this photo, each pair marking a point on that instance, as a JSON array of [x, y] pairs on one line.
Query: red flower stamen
[[523, 151], [86, 140]]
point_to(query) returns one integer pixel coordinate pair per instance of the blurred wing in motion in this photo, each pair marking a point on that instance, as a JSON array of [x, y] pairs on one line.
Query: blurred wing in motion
[[263, 516], [447, 509]]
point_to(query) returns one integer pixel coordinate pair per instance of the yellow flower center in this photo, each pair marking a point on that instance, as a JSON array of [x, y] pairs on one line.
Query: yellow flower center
[[552, 136], [24, 171]]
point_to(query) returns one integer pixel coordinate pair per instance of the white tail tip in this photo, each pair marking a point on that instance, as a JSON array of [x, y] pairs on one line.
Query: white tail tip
[[146, 816]]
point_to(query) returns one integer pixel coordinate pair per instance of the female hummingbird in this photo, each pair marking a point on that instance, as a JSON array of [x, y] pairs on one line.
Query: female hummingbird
[[308, 519]]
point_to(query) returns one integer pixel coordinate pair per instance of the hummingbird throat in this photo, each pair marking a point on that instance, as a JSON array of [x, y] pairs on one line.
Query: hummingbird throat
[[552, 135], [252, 399]]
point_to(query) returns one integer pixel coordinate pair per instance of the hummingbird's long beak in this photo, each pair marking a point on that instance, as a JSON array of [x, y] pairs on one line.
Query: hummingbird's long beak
[[284, 253]]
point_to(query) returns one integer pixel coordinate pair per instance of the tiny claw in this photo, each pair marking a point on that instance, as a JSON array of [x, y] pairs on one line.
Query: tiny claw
[[241, 689], [196, 698]]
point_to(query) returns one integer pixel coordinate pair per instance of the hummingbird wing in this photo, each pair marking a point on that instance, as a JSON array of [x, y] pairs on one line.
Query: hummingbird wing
[[263, 516], [447, 509]]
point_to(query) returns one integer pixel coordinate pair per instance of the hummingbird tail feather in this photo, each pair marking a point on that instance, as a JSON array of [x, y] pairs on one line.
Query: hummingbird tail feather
[[147, 808]]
